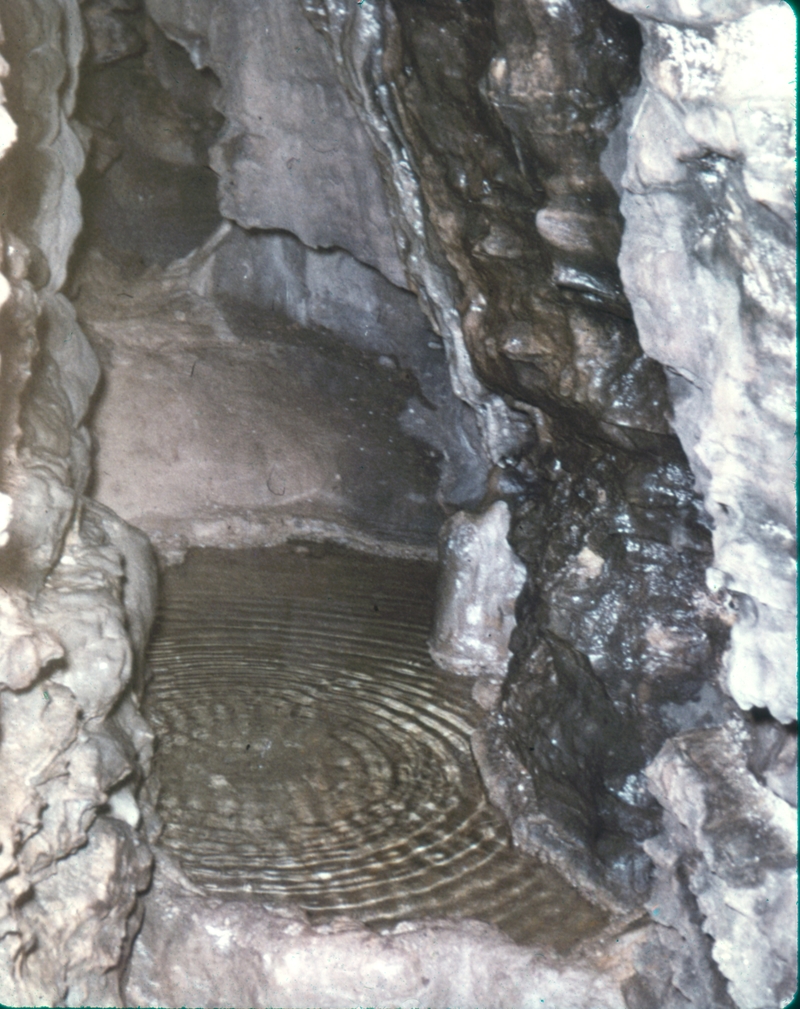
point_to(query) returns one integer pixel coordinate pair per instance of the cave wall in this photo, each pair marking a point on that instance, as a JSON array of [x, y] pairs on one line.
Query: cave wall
[[708, 259], [381, 444], [78, 584], [708, 262], [497, 128], [288, 129]]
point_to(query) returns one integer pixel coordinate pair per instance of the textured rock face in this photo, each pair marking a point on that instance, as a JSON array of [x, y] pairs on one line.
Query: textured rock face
[[594, 692], [293, 155], [336, 428], [148, 194], [510, 233], [733, 842], [333, 291], [480, 580], [78, 585], [243, 954], [510, 230], [460, 103], [708, 263], [222, 425], [486, 140]]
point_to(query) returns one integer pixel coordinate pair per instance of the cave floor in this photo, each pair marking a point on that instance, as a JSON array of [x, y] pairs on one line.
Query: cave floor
[[311, 754], [220, 424]]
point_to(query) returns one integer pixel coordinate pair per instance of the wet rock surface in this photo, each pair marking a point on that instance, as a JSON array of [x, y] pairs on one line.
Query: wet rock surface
[[616, 632], [527, 283], [636, 607], [732, 843], [499, 114], [708, 262], [243, 954]]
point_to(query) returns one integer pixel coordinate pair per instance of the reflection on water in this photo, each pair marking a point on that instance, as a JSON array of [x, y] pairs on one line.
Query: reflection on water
[[311, 753]]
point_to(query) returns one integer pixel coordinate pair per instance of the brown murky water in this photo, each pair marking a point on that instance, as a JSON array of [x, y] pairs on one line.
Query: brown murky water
[[310, 753]]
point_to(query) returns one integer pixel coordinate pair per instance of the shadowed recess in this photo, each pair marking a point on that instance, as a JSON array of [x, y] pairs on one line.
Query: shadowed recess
[[310, 753]]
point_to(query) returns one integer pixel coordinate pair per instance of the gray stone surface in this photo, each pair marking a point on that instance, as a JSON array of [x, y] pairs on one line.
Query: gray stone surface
[[480, 579], [148, 195], [732, 842], [357, 40], [223, 423], [193, 951], [511, 237], [78, 585], [708, 263], [293, 155], [486, 124], [356, 303]]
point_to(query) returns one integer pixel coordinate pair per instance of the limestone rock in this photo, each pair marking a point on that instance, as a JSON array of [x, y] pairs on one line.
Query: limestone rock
[[734, 842], [508, 227], [193, 951], [275, 430], [510, 231], [148, 193], [293, 155], [334, 291], [480, 580], [614, 651], [71, 860], [708, 263], [114, 29], [358, 44]]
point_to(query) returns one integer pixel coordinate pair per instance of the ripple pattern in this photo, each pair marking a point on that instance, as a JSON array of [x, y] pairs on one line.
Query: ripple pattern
[[310, 753]]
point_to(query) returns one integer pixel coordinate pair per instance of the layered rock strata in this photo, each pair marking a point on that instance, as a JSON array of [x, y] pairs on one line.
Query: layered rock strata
[[78, 584]]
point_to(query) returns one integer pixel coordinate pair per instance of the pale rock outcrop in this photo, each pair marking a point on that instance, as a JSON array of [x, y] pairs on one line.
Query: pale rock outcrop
[[480, 579], [222, 422], [707, 260], [236, 953], [78, 585], [334, 291], [732, 842]]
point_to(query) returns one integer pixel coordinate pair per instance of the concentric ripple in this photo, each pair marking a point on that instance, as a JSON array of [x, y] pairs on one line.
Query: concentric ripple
[[310, 753]]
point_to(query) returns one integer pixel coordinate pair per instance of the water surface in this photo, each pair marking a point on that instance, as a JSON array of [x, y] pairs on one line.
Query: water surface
[[310, 753]]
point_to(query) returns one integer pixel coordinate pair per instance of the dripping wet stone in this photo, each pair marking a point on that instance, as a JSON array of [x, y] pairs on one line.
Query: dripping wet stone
[[616, 631]]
